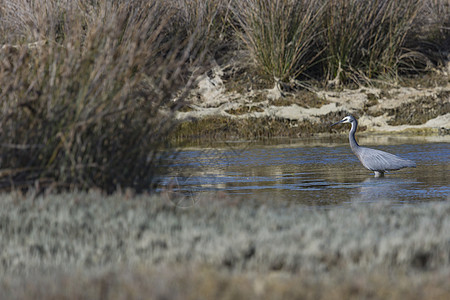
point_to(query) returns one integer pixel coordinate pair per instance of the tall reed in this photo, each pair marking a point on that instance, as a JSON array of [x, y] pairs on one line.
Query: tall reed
[[365, 39], [280, 35]]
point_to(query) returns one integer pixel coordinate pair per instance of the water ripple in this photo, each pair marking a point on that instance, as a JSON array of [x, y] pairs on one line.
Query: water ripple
[[313, 175]]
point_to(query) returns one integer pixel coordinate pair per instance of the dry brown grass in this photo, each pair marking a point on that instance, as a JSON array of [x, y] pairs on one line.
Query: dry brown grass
[[197, 282], [364, 40], [87, 88]]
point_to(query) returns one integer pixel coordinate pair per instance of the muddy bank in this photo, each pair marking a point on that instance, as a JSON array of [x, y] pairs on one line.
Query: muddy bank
[[218, 109], [88, 236]]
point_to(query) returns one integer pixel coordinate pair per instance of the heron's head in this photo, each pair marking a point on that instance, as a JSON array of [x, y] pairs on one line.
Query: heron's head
[[347, 119]]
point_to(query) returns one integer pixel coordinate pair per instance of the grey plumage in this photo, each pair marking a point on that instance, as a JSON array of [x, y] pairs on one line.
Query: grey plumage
[[372, 159]]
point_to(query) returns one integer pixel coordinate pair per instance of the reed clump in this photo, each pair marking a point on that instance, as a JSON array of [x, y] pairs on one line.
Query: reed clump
[[348, 41], [87, 88], [280, 36], [364, 39]]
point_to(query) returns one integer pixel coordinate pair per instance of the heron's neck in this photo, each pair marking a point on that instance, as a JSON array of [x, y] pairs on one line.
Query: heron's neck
[[351, 136]]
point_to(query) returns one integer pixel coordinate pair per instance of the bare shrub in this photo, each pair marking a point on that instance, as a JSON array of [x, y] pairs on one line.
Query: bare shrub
[[87, 88]]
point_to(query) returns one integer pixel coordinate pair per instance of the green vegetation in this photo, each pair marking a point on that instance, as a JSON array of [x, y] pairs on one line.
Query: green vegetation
[[87, 88]]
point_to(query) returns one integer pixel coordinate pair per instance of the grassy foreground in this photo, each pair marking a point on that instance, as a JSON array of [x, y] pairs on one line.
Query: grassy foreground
[[85, 246]]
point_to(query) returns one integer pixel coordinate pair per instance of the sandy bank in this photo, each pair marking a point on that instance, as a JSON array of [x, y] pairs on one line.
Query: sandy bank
[[414, 110]]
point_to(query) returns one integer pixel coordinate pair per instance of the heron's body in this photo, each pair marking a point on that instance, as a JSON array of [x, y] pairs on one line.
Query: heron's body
[[375, 160]]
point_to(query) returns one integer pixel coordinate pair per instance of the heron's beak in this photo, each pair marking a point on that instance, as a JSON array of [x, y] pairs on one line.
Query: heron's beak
[[336, 123]]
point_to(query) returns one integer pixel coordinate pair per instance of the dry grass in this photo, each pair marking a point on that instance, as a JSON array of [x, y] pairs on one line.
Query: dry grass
[[364, 40], [81, 245], [350, 41], [188, 282], [87, 88], [430, 36], [280, 35]]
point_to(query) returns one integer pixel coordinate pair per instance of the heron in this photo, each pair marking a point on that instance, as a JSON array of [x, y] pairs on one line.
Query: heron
[[375, 160]]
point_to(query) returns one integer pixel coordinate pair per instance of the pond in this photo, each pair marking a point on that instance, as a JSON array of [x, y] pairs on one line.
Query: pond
[[313, 172]]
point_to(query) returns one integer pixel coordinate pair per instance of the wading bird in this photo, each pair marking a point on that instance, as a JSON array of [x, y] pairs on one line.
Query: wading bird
[[372, 159]]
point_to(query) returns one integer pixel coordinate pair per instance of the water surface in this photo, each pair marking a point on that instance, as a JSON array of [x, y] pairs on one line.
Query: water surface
[[313, 172]]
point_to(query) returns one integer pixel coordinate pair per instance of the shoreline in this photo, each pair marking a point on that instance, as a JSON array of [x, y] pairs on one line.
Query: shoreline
[[214, 110], [317, 140]]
